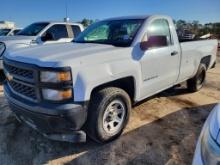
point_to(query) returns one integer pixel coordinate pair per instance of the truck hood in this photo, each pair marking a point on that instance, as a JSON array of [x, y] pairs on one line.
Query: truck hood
[[66, 54], [16, 41], [16, 38]]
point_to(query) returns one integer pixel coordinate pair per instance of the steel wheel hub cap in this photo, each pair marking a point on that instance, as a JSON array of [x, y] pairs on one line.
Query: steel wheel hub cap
[[114, 116]]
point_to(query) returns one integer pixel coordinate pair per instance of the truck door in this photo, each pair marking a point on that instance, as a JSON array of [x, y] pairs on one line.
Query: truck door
[[160, 62]]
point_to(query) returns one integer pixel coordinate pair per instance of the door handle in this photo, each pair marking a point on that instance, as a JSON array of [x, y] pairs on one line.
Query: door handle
[[174, 53]]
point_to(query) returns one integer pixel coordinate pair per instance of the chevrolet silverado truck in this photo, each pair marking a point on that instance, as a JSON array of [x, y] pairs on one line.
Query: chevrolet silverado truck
[[87, 87], [41, 33]]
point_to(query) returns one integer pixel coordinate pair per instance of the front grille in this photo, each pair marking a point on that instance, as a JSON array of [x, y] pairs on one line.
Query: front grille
[[21, 79], [23, 90], [16, 71]]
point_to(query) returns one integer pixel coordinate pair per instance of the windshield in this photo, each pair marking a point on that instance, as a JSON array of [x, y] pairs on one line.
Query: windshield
[[4, 32], [113, 32], [33, 29]]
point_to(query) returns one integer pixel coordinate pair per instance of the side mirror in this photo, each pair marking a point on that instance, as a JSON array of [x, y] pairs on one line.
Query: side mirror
[[154, 42], [47, 37]]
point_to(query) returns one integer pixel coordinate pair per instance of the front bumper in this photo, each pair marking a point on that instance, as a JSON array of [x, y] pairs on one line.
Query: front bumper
[[197, 159], [56, 122], [207, 150]]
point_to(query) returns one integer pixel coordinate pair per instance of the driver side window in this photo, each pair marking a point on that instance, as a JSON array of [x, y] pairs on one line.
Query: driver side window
[[55, 33]]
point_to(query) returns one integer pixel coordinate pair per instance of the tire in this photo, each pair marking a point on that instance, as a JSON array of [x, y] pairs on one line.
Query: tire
[[196, 83], [99, 125]]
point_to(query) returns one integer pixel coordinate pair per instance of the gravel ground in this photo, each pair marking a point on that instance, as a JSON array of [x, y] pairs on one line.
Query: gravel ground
[[162, 130]]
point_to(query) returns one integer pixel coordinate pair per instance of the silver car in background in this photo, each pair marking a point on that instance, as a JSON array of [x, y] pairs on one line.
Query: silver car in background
[[208, 146], [9, 32]]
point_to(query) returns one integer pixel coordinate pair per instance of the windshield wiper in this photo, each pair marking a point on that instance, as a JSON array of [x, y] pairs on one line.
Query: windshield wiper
[[78, 41], [116, 44]]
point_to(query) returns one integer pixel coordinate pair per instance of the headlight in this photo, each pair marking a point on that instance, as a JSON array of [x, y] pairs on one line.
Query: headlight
[[56, 95], [2, 48], [55, 77]]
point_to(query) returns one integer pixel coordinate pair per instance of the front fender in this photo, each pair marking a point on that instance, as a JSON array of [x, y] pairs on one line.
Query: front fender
[[94, 76]]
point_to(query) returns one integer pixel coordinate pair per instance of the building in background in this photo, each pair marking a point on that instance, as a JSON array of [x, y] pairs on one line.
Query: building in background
[[7, 25]]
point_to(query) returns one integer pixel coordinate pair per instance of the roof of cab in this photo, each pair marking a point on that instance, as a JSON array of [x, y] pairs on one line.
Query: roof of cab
[[129, 17], [59, 22]]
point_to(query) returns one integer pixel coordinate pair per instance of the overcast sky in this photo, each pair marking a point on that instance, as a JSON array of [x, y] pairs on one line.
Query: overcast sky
[[24, 12]]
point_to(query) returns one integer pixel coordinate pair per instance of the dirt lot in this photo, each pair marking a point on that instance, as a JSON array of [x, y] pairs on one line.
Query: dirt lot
[[162, 130]]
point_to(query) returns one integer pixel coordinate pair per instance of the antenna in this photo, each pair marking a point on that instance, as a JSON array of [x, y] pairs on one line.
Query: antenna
[[66, 19], [66, 9]]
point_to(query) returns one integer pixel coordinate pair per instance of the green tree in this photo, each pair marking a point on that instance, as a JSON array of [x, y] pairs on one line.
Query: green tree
[[85, 22], [195, 27], [180, 24]]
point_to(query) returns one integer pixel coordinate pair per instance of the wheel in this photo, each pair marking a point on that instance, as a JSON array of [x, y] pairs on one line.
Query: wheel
[[109, 113], [196, 83]]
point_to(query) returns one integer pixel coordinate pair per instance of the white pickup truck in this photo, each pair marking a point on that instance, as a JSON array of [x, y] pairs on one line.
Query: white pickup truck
[[87, 87], [41, 33]]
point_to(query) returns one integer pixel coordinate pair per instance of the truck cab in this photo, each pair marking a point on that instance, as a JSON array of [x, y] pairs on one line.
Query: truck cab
[[87, 87]]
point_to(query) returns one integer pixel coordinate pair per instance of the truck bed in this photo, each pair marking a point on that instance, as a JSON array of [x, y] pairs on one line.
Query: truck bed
[[193, 52]]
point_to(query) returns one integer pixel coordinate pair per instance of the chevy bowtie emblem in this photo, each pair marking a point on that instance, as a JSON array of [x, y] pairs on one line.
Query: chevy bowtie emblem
[[9, 77]]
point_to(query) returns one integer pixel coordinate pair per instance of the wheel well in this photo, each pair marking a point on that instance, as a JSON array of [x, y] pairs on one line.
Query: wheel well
[[127, 84], [206, 60]]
